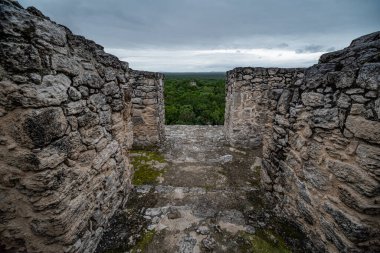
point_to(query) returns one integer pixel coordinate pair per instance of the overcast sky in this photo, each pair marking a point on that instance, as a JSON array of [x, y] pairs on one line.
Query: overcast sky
[[215, 35]]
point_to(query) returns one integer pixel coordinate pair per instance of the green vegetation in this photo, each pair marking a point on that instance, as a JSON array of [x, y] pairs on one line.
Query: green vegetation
[[143, 164], [264, 241], [194, 98], [145, 240]]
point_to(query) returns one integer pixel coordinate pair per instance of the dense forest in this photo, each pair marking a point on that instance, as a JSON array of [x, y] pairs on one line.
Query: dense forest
[[194, 98]]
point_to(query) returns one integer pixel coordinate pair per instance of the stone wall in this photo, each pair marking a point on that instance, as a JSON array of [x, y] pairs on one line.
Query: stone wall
[[321, 142], [64, 128], [249, 105], [148, 114]]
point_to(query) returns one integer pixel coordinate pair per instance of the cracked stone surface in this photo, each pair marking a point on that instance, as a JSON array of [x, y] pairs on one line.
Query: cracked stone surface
[[203, 202]]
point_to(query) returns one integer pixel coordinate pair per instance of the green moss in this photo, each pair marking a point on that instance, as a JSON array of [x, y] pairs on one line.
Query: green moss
[[143, 164], [264, 241], [143, 243]]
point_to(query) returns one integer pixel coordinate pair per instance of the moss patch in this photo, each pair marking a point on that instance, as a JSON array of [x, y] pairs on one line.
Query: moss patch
[[143, 243], [143, 163], [264, 241]]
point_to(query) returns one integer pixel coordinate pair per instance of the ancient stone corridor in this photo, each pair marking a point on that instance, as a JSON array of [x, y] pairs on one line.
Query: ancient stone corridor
[[87, 165], [207, 197]]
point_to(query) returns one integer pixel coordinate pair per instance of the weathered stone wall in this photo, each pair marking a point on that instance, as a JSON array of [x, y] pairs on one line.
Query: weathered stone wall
[[322, 147], [64, 129], [148, 114], [249, 101]]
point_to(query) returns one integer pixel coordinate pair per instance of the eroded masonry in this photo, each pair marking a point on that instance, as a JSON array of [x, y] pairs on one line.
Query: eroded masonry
[[70, 113], [320, 132], [66, 111]]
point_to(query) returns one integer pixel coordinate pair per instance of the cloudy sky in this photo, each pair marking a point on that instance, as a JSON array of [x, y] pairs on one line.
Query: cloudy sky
[[215, 35]]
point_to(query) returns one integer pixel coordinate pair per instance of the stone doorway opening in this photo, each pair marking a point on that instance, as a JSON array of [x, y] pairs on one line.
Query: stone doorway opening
[[194, 98]]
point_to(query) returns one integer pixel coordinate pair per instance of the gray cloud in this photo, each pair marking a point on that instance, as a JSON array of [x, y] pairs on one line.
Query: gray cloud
[[310, 49], [216, 24]]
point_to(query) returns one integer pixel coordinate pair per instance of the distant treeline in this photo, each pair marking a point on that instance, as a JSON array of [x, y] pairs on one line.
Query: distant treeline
[[194, 98]]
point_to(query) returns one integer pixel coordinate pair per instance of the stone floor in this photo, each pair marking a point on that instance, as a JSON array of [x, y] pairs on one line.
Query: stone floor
[[205, 198]]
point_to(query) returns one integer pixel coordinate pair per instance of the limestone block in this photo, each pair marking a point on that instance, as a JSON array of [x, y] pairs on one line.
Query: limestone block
[[315, 176], [283, 102], [355, 176], [105, 154], [52, 91], [368, 156], [38, 127], [19, 56], [356, 201], [74, 94], [369, 76], [65, 64], [50, 32], [109, 74], [325, 118], [54, 154], [359, 99], [88, 118], [330, 231], [353, 228], [110, 88], [312, 99], [97, 100], [357, 109], [88, 78], [345, 79], [363, 128], [75, 107], [91, 136]]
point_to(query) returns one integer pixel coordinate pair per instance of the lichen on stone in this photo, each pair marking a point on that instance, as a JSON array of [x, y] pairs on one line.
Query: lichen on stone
[[144, 163], [144, 241], [264, 241]]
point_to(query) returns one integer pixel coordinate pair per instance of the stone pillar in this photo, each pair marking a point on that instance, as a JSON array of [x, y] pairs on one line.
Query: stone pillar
[[148, 113], [249, 102]]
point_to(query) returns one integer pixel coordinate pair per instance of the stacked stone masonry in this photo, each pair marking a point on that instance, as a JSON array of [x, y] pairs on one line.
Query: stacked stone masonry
[[148, 114], [65, 131], [320, 131], [249, 105], [66, 123]]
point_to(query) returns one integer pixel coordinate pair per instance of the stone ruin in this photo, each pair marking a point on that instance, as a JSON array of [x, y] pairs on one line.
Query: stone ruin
[[69, 113], [67, 110], [319, 128], [148, 114]]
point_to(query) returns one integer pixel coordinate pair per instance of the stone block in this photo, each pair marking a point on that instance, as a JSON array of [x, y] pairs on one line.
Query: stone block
[[363, 128], [110, 89], [283, 102], [315, 176], [325, 118], [88, 78], [369, 76], [104, 155], [353, 229], [312, 99], [39, 127], [74, 94], [368, 156], [91, 136], [344, 101], [75, 107], [356, 201], [352, 175], [65, 64]]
